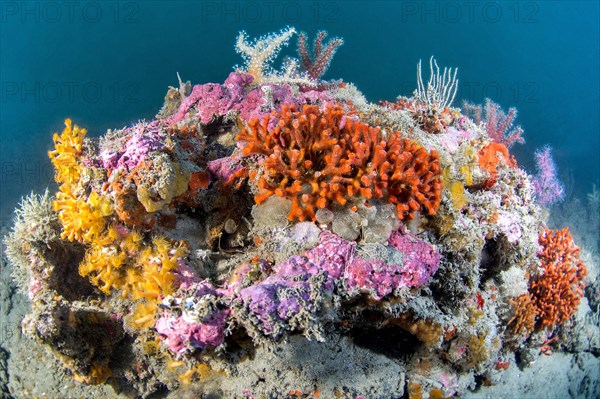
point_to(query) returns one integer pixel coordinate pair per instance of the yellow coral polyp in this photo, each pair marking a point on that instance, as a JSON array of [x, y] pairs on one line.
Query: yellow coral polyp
[[102, 266], [174, 364], [67, 149], [143, 315], [152, 346], [131, 243], [155, 282], [201, 372], [82, 220], [186, 378], [115, 260], [156, 277]]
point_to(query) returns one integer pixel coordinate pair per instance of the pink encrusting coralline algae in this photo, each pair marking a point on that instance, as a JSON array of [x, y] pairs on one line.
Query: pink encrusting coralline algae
[[340, 260], [192, 319], [181, 335], [284, 299], [223, 168], [421, 260], [216, 99], [296, 286], [237, 94], [144, 139]]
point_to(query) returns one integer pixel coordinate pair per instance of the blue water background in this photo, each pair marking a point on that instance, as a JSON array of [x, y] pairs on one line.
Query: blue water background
[[108, 64]]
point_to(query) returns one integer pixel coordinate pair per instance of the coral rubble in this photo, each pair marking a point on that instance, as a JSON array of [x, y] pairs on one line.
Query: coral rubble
[[279, 207]]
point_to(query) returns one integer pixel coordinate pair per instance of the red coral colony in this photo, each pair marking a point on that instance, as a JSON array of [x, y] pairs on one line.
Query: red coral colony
[[318, 157]]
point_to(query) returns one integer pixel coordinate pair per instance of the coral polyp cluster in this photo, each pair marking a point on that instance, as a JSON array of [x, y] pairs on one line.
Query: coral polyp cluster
[[555, 293], [65, 156], [316, 158], [82, 218], [559, 289], [279, 231]]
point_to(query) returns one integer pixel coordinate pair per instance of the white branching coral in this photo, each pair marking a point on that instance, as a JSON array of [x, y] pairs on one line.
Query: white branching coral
[[441, 87], [35, 222], [259, 53], [262, 50]]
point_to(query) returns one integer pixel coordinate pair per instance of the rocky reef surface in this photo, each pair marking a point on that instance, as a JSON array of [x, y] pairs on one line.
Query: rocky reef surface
[[277, 235]]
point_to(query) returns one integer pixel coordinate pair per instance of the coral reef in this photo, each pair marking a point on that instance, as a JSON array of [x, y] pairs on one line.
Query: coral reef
[[263, 224]]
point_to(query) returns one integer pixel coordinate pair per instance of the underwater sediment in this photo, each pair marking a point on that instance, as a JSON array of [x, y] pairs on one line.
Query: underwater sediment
[[280, 231]]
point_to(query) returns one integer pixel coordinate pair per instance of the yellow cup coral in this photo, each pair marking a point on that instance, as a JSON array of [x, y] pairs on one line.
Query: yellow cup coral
[[67, 149], [82, 220]]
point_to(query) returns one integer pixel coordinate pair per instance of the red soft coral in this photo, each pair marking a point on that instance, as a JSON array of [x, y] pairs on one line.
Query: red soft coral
[[317, 158], [557, 292]]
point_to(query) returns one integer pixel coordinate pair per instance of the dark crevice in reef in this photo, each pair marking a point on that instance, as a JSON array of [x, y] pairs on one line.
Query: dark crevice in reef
[[592, 293], [66, 280], [392, 341], [127, 367], [216, 128], [490, 264], [239, 346], [449, 286], [480, 381]]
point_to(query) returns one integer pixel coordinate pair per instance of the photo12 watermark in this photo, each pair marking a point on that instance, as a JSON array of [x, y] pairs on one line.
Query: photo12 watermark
[[69, 92], [289, 12], [26, 173], [70, 12], [460, 12]]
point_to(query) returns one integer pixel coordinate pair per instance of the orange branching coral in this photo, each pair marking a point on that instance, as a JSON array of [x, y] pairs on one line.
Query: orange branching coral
[[523, 320], [559, 289], [317, 158], [489, 158]]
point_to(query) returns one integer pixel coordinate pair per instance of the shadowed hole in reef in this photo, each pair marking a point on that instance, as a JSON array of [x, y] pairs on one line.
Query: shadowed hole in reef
[[369, 331], [392, 341], [240, 346], [490, 264], [67, 281]]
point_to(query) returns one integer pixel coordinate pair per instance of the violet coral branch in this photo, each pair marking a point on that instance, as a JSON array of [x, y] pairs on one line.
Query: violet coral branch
[[548, 189], [498, 124], [317, 65]]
